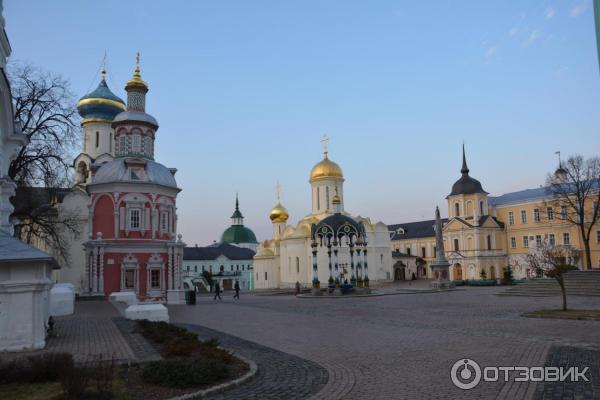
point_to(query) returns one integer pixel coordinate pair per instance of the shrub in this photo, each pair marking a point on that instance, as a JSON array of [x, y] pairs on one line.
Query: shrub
[[43, 368], [482, 282], [184, 372]]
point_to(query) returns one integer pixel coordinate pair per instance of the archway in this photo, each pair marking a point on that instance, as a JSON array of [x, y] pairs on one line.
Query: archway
[[492, 272], [457, 272], [399, 271]]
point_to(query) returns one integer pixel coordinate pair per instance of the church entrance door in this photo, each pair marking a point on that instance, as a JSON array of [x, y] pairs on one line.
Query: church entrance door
[[457, 273]]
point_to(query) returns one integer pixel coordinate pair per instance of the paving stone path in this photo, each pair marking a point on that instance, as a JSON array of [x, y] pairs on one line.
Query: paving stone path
[[402, 346], [279, 376]]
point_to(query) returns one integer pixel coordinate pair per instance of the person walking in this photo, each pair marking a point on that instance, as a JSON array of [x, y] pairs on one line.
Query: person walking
[[217, 291], [297, 288], [237, 290]]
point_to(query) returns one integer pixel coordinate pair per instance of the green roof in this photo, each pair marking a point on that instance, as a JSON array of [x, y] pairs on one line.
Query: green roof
[[238, 234]]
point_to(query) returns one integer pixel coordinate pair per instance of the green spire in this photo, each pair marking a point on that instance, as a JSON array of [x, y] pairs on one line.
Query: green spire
[[237, 216]]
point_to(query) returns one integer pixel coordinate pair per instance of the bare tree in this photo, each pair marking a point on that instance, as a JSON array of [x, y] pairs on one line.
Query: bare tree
[[575, 194], [553, 262], [46, 110]]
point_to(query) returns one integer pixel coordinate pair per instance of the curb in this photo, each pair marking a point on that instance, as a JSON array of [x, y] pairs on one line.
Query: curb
[[223, 386], [527, 315]]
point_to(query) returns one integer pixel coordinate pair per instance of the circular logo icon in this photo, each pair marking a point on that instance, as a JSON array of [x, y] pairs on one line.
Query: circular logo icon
[[465, 374]]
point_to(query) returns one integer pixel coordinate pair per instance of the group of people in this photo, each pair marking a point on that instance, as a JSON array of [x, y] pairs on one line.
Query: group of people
[[218, 291]]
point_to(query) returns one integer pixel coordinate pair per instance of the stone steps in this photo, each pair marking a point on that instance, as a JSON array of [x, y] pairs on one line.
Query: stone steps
[[577, 283]]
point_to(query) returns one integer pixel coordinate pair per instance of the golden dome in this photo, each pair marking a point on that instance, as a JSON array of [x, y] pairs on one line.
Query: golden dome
[[336, 200], [326, 169], [279, 213], [137, 80]]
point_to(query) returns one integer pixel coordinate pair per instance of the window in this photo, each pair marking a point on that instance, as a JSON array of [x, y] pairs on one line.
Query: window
[[134, 218], [137, 143], [97, 138], [129, 279], [423, 252], [526, 241], [511, 218], [538, 240], [434, 251], [408, 250], [122, 144], [523, 216], [481, 208], [164, 221], [237, 267], [232, 267], [513, 242], [203, 268], [110, 142], [455, 244], [327, 195], [566, 239], [297, 265], [318, 201], [597, 236], [456, 209], [536, 215], [489, 242], [155, 278], [551, 239], [563, 212], [195, 268], [550, 213], [188, 267], [265, 275]]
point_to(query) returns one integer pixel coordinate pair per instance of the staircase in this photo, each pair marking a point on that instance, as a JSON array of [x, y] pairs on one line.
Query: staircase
[[577, 283]]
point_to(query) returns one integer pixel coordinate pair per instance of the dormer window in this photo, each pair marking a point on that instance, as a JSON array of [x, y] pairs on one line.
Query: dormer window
[[400, 231]]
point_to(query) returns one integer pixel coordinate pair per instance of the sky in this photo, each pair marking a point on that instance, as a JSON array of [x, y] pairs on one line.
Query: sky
[[244, 90]]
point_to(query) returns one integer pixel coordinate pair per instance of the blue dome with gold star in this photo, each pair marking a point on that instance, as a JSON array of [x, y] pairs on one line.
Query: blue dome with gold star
[[101, 105]]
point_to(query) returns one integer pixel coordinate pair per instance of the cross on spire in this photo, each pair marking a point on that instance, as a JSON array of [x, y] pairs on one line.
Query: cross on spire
[[278, 191], [325, 141], [103, 70]]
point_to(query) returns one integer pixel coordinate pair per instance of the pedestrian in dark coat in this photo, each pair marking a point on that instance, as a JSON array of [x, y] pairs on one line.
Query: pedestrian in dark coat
[[217, 291], [237, 290]]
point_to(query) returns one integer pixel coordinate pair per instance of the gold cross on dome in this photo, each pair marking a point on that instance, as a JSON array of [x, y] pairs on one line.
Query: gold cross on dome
[[137, 58], [278, 190], [325, 141]]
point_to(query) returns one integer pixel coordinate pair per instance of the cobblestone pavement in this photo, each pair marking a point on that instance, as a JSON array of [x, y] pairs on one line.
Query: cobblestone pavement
[[402, 346], [280, 375], [566, 357], [90, 333]]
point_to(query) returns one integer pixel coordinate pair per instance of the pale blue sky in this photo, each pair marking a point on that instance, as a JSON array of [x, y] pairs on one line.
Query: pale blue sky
[[243, 91]]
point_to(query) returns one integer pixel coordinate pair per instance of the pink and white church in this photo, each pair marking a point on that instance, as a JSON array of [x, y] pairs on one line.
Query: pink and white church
[[132, 243]]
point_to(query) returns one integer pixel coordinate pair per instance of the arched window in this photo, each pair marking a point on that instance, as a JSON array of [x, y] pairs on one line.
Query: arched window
[[327, 195], [136, 143], [455, 244], [297, 265], [97, 138], [318, 199], [456, 209]]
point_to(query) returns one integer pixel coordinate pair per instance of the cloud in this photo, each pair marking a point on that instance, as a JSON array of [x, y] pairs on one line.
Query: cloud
[[533, 37], [513, 31], [490, 52], [549, 12], [578, 9]]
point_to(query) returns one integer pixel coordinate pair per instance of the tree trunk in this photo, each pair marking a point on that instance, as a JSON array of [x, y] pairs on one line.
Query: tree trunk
[[588, 254], [561, 282]]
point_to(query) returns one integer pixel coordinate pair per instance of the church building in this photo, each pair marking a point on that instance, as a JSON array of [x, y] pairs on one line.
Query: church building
[[287, 257], [132, 243]]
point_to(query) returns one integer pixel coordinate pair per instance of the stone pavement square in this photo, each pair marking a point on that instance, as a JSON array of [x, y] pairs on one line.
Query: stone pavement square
[[403, 346]]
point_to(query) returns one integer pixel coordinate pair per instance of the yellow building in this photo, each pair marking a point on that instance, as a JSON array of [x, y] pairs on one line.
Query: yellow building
[[484, 234]]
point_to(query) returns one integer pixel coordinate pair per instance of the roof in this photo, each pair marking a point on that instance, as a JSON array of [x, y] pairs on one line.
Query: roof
[[414, 230], [213, 252], [520, 196], [135, 116], [117, 171], [13, 250], [466, 184], [100, 103], [238, 234]]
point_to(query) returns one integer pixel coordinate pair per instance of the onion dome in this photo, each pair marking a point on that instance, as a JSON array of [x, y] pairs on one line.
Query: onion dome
[[100, 105], [466, 184], [137, 81], [326, 169], [237, 233], [279, 213]]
